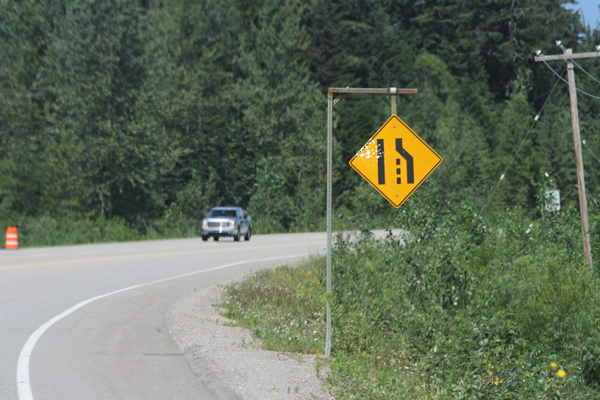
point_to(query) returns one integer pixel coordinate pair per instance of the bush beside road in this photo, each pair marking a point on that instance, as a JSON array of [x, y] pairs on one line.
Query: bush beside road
[[456, 309]]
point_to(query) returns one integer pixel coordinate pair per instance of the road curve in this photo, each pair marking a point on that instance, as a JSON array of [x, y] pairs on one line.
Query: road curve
[[88, 321]]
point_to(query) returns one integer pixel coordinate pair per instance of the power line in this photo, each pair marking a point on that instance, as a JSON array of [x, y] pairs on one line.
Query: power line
[[587, 194], [562, 79], [590, 150], [521, 145], [567, 195], [583, 70]]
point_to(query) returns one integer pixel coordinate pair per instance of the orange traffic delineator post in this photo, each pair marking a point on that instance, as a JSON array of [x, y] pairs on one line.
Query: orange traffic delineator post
[[12, 237]]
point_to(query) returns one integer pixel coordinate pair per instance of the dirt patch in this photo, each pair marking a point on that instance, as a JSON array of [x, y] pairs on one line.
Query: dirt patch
[[232, 356]]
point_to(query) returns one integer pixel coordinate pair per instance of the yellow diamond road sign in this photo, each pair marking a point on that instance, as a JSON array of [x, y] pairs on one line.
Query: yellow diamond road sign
[[395, 161]]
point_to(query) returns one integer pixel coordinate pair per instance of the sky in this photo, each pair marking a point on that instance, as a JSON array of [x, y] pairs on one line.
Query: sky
[[589, 9]]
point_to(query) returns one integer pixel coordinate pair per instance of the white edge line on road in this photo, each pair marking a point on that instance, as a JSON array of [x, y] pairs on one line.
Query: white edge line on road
[[23, 381]]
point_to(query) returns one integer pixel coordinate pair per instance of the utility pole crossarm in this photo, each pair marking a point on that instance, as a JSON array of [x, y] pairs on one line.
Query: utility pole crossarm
[[567, 57], [391, 90]]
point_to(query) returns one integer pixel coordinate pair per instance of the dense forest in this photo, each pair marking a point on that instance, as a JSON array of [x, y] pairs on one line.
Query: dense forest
[[156, 110]]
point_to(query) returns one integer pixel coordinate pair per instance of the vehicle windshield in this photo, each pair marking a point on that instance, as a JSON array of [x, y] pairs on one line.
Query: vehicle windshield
[[221, 213]]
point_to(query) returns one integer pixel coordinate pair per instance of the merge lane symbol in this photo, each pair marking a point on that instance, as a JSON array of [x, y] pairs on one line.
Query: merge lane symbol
[[410, 167]]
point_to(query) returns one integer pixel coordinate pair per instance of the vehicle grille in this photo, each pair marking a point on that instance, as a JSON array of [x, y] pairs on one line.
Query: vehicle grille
[[216, 224]]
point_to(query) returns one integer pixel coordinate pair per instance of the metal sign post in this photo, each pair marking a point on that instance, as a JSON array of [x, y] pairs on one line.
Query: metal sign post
[[330, 103]]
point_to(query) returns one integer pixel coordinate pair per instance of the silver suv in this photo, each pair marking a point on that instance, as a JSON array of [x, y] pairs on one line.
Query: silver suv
[[227, 221]]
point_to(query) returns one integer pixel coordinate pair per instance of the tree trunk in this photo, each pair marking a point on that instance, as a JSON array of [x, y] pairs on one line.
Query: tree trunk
[[200, 148]]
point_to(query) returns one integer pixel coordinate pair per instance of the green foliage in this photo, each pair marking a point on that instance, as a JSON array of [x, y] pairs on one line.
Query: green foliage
[[126, 109], [279, 124], [52, 231], [99, 155], [452, 308], [284, 307], [267, 201], [516, 121], [466, 311]]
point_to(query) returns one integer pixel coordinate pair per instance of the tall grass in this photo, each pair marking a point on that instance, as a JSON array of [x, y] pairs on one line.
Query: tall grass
[[49, 231], [282, 307], [453, 309]]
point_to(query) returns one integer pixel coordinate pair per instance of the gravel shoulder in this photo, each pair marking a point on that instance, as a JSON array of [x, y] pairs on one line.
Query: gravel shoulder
[[232, 360]]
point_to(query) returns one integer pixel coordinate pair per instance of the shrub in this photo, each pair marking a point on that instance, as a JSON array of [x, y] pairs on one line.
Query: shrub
[[452, 308], [456, 309]]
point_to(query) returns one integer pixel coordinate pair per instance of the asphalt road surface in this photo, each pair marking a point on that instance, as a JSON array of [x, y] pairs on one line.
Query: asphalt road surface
[[88, 321]]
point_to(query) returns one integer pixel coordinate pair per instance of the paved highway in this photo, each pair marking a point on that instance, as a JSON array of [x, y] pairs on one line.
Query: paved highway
[[88, 321]]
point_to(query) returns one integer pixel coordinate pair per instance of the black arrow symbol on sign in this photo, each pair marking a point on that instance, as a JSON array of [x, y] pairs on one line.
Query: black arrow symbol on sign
[[410, 168], [380, 162]]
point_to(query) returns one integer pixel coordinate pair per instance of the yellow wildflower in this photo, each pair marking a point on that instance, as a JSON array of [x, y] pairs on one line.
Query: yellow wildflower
[[553, 365], [561, 373]]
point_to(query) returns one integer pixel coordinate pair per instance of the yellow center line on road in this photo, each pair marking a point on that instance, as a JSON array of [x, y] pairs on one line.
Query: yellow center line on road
[[159, 254]]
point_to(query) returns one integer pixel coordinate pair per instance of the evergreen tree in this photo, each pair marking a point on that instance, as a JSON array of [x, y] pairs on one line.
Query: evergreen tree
[[100, 154], [22, 161], [517, 148], [281, 115], [189, 53], [147, 109]]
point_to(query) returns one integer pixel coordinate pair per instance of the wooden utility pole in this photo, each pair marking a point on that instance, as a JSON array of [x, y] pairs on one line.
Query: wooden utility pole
[[585, 226]]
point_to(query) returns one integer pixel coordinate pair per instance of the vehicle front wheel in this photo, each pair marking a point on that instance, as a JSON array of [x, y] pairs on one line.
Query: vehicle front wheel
[[237, 236], [248, 234], [216, 238], [204, 238]]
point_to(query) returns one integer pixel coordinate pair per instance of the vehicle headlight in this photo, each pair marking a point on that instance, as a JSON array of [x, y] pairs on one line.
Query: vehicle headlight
[[205, 223], [231, 223]]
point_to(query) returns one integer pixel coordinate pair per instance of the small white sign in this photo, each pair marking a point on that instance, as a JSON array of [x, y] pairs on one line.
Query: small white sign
[[552, 200]]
